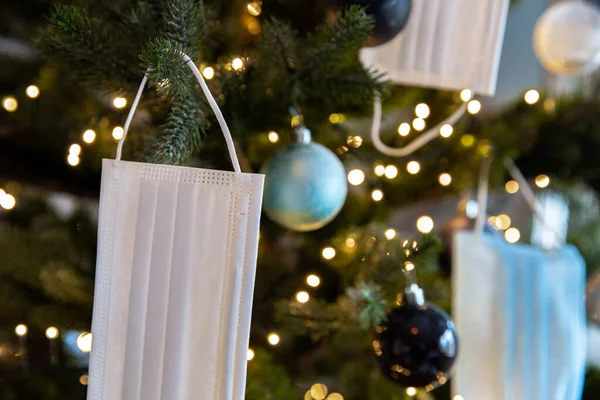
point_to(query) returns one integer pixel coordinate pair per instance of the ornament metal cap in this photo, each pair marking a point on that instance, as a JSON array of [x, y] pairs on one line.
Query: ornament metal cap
[[413, 294], [303, 135]]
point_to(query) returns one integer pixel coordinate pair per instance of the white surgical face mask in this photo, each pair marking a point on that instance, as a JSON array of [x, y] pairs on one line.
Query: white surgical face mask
[[447, 44], [519, 311], [520, 315], [175, 274]]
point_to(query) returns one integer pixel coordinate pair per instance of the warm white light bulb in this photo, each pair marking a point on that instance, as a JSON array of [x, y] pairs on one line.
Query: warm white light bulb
[[408, 266], [8, 201], [413, 167], [10, 104], [73, 160], [119, 102], [118, 133], [425, 224], [512, 187], [250, 354], [75, 149], [542, 181], [273, 339], [273, 137], [32, 91], [356, 177], [446, 130], [84, 342], [379, 170], [377, 195], [89, 136], [390, 233], [422, 110], [512, 235], [403, 129], [52, 332], [318, 391], [474, 107], [445, 179], [313, 280], [254, 8], [208, 73], [532, 96], [418, 124], [465, 95], [350, 242], [411, 391], [502, 221], [391, 171], [302, 297], [237, 63], [328, 253], [21, 330]]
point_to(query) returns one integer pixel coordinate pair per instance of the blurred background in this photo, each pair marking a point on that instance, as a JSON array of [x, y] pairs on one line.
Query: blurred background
[[68, 74]]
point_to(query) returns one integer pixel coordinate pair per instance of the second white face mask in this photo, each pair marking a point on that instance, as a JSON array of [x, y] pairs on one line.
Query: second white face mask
[[447, 44]]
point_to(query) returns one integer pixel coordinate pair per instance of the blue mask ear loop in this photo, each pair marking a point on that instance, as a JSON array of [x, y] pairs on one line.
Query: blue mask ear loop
[[529, 195], [482, 194]]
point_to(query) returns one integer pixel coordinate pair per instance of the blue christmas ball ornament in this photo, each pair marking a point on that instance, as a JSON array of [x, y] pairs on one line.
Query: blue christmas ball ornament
[[305, 185]]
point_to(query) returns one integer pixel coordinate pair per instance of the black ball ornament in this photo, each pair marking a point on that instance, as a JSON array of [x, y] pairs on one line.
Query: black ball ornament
[[416, 345], [391, 16]]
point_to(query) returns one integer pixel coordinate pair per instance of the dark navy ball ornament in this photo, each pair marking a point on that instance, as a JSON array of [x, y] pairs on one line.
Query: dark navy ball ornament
[[417, 345], [391, 17]]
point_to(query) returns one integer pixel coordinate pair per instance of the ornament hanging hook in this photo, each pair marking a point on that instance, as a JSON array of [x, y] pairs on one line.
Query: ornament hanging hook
[[412, 292]]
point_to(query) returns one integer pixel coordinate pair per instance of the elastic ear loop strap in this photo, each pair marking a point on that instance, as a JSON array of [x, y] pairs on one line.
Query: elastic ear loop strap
[[526, 191], [482, 194], [211, 102], [417, 143]]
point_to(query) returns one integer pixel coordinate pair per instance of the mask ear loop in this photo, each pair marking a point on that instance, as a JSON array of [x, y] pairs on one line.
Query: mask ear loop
[[482, 194], [211, 101], [526, 191], [417, 143], [529, 195]]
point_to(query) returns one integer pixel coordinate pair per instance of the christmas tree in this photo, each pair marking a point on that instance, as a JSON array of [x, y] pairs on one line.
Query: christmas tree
[[274, 67]]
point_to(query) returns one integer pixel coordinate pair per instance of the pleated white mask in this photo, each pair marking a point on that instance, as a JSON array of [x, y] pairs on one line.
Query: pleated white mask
[[177, 250], [447, 44], [519, 311]]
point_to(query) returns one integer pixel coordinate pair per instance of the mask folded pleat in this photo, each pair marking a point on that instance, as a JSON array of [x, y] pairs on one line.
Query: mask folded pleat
[[137, 305], [181, 263], [205, 314], [110, 340]]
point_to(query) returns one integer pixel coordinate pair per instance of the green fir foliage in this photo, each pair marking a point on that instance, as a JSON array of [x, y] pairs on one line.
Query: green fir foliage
[[285, 70]]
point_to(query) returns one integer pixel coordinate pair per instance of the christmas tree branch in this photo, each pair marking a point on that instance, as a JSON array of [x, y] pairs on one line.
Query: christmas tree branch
[[335, 44], [184, 22], [181, 135], [89, 48]]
